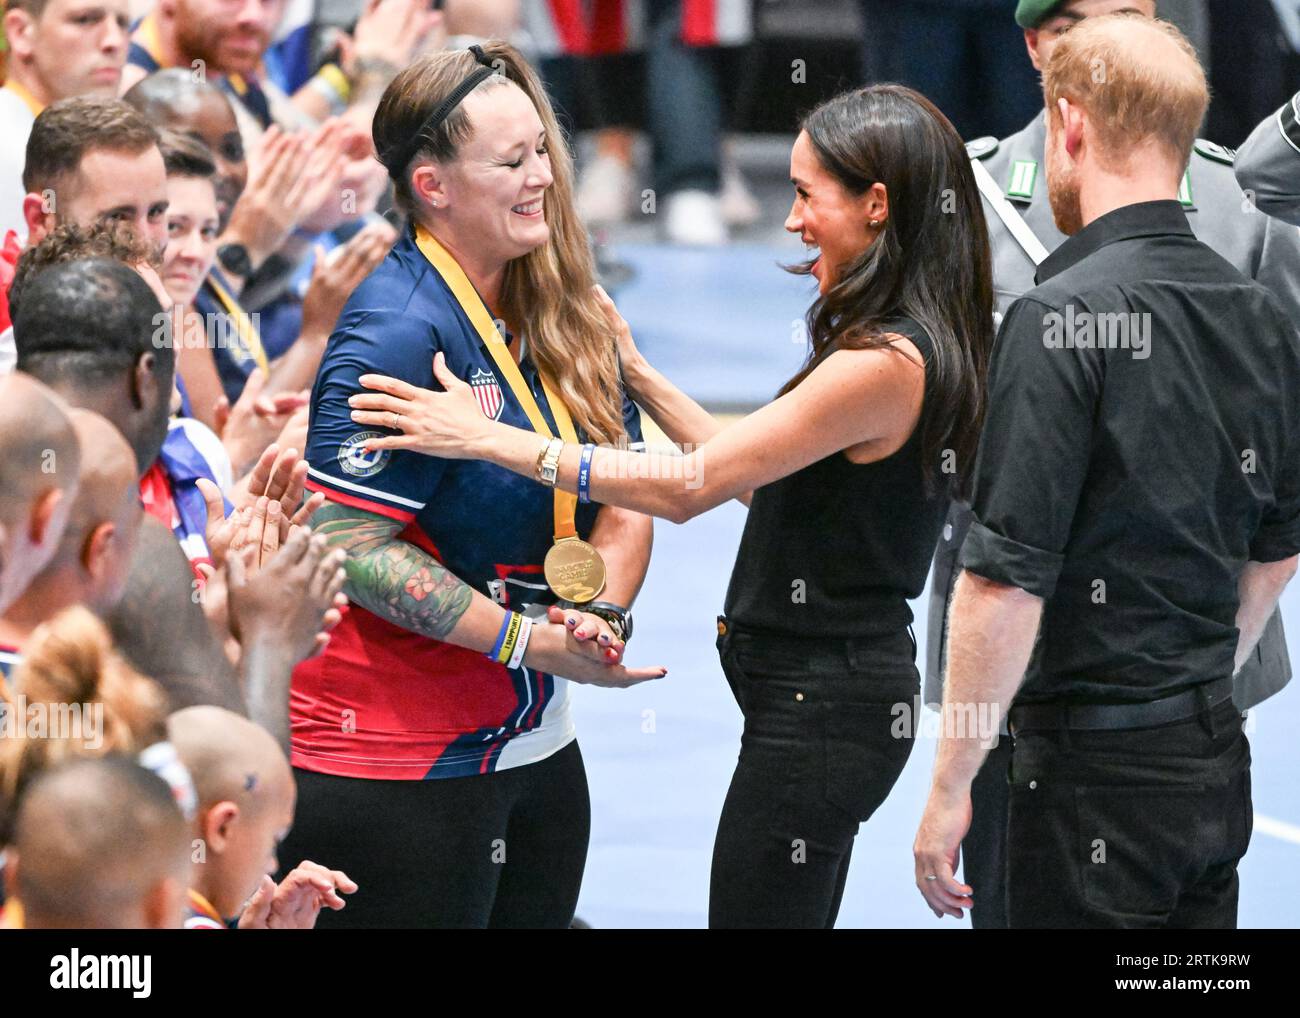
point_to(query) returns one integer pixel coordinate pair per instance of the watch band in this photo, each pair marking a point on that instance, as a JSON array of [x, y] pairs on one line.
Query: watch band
[[235, 258], [548, 463], [618, 617]]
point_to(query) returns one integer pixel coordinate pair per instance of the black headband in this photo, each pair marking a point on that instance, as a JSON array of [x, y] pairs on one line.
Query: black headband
[[399, 155]]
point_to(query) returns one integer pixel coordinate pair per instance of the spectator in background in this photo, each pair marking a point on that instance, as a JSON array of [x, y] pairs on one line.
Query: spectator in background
[[57, 49], [70, 660], [90, 159], [966, 56], [86, 328], [694, 204], [258, 220], [245, 808], [40, 460], [230, 46], [192, 226], [329, 159], [87, 159], [93, 557], [98, 844]]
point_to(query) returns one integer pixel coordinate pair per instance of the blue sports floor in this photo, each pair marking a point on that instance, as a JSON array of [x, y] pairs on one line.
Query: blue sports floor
[[659, 756]]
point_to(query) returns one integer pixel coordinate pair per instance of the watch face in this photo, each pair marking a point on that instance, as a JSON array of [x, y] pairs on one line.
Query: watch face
[[235, 258]]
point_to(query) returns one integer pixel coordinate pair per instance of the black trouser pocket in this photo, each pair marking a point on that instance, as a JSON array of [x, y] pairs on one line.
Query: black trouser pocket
[[1139, 845]]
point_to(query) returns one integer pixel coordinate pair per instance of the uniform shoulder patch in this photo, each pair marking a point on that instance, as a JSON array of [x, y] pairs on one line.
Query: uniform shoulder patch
[[982, 148], [1218, 153]]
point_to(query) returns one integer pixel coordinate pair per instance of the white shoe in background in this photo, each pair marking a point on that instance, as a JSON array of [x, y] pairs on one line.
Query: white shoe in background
[[739, 207], [605, 191], [694, 218]]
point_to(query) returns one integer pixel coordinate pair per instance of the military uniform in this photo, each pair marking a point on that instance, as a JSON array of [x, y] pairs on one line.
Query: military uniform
[[1268, 165], [1013, 171]]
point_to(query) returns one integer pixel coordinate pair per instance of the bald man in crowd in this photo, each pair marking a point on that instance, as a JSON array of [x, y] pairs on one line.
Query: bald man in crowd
[[40, 462], [1136, 508], [99, 844], [93, 559]]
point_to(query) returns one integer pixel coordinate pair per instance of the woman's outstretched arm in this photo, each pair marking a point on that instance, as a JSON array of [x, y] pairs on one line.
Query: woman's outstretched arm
[[855, 398]]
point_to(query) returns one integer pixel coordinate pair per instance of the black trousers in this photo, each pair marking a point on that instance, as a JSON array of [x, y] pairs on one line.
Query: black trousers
[[824, 741], [1137, 829], [500, 850], [984, 849]]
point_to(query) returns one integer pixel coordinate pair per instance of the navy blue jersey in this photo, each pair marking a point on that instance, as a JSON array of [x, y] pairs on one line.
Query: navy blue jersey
[[428, 709]]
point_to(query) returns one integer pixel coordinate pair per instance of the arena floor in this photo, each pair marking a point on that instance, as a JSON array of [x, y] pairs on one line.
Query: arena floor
[[723, 325]]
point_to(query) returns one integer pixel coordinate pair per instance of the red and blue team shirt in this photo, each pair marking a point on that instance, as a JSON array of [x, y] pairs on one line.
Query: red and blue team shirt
[[383, 701]]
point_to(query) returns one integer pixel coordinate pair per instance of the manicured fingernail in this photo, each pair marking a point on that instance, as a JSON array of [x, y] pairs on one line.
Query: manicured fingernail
[[604, 639], [571, 622]]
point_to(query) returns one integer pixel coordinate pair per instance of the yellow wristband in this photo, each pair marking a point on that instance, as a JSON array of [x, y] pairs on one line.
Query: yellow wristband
[[333, 76]]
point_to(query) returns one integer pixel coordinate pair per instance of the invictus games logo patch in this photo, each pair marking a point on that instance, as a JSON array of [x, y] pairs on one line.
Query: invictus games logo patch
[[354, 459]]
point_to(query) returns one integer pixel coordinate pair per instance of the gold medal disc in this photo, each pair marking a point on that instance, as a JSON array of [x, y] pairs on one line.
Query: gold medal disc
[[574, 570]]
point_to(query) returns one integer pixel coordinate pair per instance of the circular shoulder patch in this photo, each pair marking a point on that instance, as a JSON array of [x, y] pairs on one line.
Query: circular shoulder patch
[[354, 459], [1218, 153], [982, 148]]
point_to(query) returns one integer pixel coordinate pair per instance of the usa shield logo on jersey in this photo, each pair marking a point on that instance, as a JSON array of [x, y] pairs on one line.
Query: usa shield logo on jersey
[[487, 392]]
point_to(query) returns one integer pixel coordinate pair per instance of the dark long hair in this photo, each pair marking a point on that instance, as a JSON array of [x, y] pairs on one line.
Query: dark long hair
[[930, 262]]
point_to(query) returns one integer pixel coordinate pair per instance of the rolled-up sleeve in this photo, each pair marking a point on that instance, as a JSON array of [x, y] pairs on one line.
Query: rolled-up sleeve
[[1278, 534], [1034, 453]]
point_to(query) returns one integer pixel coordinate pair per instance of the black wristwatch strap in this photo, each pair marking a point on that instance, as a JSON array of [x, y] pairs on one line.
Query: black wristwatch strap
[[618, 617], [235, 258]]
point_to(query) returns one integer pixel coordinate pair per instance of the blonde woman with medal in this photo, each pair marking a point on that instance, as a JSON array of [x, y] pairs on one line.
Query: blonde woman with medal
[[848, 474], [432, 741]]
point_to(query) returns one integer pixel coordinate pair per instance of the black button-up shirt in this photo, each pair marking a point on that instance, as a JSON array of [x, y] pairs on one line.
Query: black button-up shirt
[[1142, 443]]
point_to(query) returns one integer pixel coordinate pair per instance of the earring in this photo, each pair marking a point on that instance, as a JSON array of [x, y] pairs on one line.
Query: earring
[[875, 223], [433, 203]]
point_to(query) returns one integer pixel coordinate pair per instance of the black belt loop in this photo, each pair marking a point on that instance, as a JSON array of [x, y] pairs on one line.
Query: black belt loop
[[1207, 715]]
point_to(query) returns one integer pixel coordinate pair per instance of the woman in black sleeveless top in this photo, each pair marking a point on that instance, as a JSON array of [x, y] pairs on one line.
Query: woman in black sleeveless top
[[848, 474]]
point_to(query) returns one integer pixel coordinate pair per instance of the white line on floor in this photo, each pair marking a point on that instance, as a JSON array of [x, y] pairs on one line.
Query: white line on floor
[[1277, 828]]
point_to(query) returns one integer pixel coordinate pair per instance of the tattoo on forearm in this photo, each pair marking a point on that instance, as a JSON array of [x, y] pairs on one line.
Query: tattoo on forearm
[[395, 580]]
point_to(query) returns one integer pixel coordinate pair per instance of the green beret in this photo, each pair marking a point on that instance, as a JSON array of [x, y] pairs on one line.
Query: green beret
[[1030, 13]]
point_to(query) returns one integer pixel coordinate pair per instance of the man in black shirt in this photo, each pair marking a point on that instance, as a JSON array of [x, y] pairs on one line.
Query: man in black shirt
[[1137, 514]]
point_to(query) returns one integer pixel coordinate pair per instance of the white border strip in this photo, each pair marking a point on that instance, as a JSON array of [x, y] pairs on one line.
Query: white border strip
[[330, 479]]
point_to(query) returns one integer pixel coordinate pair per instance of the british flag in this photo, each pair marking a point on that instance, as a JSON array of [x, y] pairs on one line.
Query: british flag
[[487, 392]]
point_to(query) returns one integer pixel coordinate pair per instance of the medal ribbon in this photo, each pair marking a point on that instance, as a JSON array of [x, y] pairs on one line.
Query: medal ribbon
[[31, 102], [244, 329], [566, 503]]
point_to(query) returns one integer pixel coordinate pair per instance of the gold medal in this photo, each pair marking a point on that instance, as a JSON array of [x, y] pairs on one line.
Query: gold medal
[[574, 570]]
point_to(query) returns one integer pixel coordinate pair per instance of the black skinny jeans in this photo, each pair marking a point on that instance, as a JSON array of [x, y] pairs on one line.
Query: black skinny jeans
[[822, 746], [501, 850]]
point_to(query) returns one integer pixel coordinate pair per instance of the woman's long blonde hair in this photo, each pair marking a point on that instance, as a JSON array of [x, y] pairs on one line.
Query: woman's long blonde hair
[[550, 288]]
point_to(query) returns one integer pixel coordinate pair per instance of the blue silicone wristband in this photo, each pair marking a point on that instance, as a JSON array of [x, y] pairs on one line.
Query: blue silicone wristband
[[501, 638], [584, 474]]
